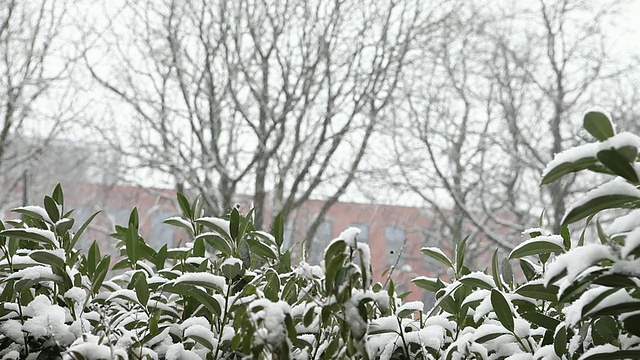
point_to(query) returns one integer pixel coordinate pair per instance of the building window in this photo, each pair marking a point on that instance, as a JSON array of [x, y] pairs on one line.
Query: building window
[[161, 233], [364, 232], [320, 241], [395, 238]]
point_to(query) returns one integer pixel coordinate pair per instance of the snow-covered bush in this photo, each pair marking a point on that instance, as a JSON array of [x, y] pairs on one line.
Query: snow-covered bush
[[232, 292]]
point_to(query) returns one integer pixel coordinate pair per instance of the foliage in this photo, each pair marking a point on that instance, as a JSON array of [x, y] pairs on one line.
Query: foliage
[[232, 291]]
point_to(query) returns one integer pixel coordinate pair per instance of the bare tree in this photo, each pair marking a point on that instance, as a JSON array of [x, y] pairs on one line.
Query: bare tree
[[275, 99], [35, 101], [499, 95]]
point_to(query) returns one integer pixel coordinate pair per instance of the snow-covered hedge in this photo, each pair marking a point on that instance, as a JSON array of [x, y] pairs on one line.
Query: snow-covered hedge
[[232, 292]]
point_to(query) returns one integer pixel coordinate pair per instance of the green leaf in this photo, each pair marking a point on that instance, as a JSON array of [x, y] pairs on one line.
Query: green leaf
[[58, 195], [261, 250], [598, 204], [535, 247], [82, 229], [139, 281], [208, 301], [495, 270], [437, 255], [632, 324], [490, 337], [52, 209], [47, 258], [604, 330], [528, 269], [476, 283], [502, 309], [430, 284], [560, 341], [566, 237], [617, 309], [234, 224], [30, 234], [539, 292], [134, 219], [179, 223], [277, 229], [63, 226], [541, 320], [598, 125], [100, 274], [217, 243], [460, 252], [618, 164], [565, 168], [184, 205]]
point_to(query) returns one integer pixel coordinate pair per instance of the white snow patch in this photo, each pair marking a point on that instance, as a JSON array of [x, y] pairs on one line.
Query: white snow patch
[[272, 317], [577, 260], [37, 272], [177, 352], [572, 155], [37, 210], [625, 223], [600, 349], [202, 277], [221, 223], [180, 220], [480, 276], [350, 235]]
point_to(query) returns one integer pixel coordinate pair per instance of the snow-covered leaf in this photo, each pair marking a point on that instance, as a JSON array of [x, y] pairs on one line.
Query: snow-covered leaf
[[437, 254], [614, 194], [538, 245]]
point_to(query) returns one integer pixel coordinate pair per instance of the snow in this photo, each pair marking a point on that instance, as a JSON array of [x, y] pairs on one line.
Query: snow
[[619, 141], [628, 267], [91, 351], [573, 312], [625, 223], [365, 256], [37, 210], [572, 155], [38, 272], [411, 306], [200, 331], [221, 223], [203, 278], [177, 352], [619, 297], [13, 330], [600, 349], [49, 235], [554, 239], [577, 260], [125, 294], [180, 220], [272, 316], [546, 352], [76, 294], [350, 235], [480, 276], [617, 186], [631, 243]]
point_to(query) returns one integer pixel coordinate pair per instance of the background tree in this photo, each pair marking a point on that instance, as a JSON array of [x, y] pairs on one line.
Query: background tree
[[36, 102], [494, 100], [274, 99]]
